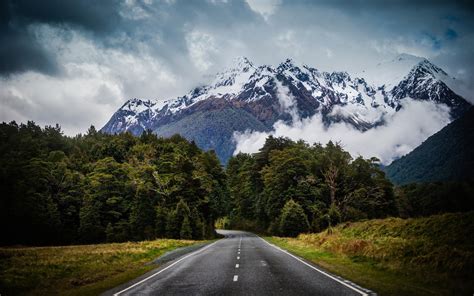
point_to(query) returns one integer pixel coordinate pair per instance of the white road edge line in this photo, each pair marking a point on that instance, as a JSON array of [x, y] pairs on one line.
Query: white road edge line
[[318, 270], [236, 278], [167, 267]]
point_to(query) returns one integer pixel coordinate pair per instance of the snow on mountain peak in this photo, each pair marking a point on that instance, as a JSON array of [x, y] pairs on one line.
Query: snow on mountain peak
[[241, 63], [136, 105], [427, 66], [361, 101], [247, 97], [390, 72], [405, 57], [287, 64]]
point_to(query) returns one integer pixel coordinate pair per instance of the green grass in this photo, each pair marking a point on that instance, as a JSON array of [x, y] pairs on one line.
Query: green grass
[[423, 256], [78, 270]]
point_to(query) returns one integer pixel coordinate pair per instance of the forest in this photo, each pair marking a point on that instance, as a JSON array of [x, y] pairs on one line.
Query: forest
[[291, 187], [98, 187], [104, 188]]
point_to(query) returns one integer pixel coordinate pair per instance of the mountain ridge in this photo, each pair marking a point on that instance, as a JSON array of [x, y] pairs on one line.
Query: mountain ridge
[[287, 92]]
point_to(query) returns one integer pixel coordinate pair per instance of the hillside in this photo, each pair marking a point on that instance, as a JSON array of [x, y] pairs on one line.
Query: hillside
[[393, 256], [445, 156]]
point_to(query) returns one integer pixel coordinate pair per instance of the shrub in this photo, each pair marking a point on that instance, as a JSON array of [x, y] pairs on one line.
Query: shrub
[[334, 215], [293, 220]]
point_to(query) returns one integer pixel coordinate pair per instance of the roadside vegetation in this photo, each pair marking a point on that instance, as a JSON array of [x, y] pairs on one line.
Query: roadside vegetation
[[292, 187], [78, 270], [394, 256]]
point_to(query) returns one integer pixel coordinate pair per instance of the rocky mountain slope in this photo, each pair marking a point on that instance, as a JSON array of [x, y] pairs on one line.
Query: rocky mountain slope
[[250, 97]]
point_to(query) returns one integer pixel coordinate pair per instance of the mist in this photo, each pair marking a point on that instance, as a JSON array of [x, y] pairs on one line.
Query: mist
[[402, 132]]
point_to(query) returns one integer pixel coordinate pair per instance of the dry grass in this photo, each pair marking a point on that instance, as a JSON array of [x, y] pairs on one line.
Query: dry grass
[[87, 269], [424, 256]]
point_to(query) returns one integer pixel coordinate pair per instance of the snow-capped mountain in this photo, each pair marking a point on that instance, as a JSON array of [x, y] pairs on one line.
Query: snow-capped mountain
[[247, 96]]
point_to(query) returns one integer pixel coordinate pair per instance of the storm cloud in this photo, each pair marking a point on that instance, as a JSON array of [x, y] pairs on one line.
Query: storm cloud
[[75, 62]]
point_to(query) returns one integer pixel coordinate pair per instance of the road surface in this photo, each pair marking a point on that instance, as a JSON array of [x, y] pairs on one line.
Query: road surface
[[239, 264]]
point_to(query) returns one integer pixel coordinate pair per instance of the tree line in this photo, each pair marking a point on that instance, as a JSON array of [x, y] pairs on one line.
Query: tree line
[[110, 188], [292, 187], [105, 188]]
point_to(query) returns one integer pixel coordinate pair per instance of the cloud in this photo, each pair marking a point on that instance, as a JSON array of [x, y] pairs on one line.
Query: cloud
[[403, 131], [264, 7], [21, 51], [163, 48], [94, 82], [450, 34], [201, 47]]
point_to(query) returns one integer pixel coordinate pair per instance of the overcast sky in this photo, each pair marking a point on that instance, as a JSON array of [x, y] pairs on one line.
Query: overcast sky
[[76, 62]]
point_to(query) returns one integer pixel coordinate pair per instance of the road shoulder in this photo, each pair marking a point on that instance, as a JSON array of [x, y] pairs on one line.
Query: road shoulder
[[161, 263]]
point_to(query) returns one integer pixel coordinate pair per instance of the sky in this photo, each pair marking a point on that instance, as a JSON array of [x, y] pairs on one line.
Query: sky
[[76, 62]]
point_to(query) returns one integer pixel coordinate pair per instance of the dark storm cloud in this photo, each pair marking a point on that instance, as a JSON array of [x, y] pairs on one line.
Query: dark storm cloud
[[97, 54], [21, 51], [107, 22], [451, 34], [93, 15], [385, 5]]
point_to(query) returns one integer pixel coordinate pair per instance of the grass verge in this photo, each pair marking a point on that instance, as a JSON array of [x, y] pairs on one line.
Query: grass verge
[[423, 256], [78, 270]]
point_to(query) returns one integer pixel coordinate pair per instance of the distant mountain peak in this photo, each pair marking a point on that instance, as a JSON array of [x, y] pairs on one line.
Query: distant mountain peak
[[287, 64], [428, 67], [241, 63], [262, 95], [138, 105], [408, 57]]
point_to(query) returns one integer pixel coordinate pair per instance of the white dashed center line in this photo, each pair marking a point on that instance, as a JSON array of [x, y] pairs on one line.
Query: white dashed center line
[[236, 277]]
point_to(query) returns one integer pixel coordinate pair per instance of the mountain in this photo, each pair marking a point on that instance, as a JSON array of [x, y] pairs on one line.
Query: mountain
[[250, 97], [445, 156]]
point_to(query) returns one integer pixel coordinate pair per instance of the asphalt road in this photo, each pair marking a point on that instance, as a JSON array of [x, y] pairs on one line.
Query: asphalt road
[[239, 264]]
